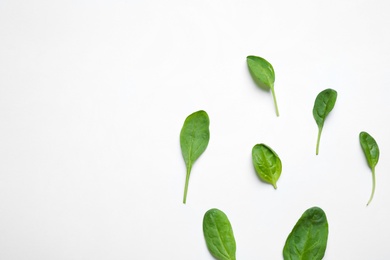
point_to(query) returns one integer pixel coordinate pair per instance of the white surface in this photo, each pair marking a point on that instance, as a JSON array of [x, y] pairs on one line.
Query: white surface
[[93, 95]]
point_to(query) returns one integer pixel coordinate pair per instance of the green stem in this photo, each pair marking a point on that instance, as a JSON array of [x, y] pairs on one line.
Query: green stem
[[276, 103], [373, 185], [186, 185], [318, 140]]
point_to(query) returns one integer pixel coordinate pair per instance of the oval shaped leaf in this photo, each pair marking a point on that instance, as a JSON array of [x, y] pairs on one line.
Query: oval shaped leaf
[[218, 234], [371, 151], [309, 237], [267, 164], [194, 138], [262, 71], [323, 104], [263, 74]]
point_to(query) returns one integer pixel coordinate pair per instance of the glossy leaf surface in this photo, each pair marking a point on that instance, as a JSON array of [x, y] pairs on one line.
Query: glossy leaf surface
[[323, 105], [194, 138], [371, 151], [264, 75], [267, 164], [309, 237], [218, 234]]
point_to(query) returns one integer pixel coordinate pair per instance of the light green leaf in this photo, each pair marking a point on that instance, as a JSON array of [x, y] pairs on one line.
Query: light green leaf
[[371, 151], [263, 74], [218, 234], [267, 163], [194, 138]]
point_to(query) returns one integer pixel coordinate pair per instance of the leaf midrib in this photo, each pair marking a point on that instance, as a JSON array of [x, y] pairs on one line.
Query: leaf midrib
[[266, 163], [226, 254]]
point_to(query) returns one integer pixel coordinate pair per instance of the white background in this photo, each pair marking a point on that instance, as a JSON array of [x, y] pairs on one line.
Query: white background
[[93, 95]]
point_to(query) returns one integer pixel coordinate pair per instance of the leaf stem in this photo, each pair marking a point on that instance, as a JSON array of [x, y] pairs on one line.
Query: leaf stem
[[373, 185], [186, 185], [276, 103], [318, 140]]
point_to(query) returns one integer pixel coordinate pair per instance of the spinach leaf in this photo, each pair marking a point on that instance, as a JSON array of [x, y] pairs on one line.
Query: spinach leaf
[[267, 164], [371, 151], [323, 104], [308, 239], [218, 234], [194, 138], [264, 75]]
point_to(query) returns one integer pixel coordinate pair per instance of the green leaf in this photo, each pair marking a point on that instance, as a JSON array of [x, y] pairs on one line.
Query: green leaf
[[218, 234], [267, 164], [323, 104], [371, 151], [194, 138], [263, 74], [309, 237]]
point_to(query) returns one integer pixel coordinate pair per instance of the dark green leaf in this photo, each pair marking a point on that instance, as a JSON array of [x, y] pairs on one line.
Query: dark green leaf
[[309, 237], [218, 234], [264, 75], [371, 151], [267, 163], [323, 104], [194, 138]]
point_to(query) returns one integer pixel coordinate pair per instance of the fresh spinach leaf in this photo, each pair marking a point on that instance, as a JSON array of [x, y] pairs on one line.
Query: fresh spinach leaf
[[194, 138], [371, 151], [323, 104], [267, 163], [309, 237], [218, 234], [264, 75]]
